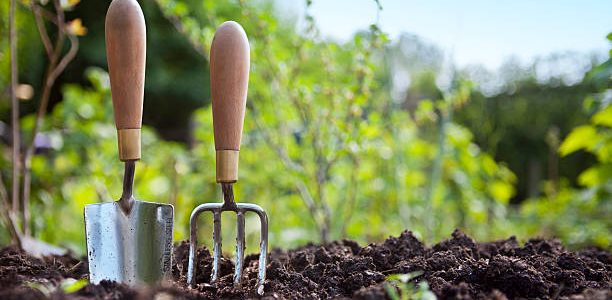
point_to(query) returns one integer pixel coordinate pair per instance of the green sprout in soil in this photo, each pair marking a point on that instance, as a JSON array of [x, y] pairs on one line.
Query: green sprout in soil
[[67, 286], [402, 287]]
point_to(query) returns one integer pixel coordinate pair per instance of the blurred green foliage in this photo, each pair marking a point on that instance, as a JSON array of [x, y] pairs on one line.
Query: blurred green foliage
[[581, 216], [327, 151], [525, 143]]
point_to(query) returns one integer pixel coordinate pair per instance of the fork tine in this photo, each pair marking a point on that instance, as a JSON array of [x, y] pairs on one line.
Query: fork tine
[[193, 237], [239, 247], [263, 250], [263, 245], [216, 245], [193, 242]]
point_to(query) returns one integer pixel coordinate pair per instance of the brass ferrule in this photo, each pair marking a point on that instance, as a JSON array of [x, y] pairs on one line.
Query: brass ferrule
[[227, 166], [129, 144]]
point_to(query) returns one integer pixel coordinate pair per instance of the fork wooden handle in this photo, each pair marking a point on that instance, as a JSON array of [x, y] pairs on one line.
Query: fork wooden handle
[[126, 54], [229, 76]]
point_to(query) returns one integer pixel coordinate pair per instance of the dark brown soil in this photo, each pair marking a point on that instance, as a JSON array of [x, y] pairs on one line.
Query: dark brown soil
[[457, 268]]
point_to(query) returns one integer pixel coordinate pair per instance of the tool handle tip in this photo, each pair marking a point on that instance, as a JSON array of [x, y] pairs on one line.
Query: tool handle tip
[[229, 76], [125, 34]]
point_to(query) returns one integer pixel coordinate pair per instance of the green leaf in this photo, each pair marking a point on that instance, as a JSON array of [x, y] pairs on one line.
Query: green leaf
[[590, 177], [582, 137], [405, 277], [596, 175], [501, 191], [392, 292], [603, 117], [71, 285]]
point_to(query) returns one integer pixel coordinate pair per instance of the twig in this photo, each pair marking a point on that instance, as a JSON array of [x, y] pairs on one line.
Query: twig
[[44, 36], [78, 265], [16, 136], [74, 48], [321, 174], [49, 16]]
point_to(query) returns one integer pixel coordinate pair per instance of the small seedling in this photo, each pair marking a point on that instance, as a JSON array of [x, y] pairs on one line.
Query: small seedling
[[402, 287]]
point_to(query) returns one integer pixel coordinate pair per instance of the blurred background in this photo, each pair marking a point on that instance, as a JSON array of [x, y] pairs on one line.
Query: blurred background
[[364, 118]]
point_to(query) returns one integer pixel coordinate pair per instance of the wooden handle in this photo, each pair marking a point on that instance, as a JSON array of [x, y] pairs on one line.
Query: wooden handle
[[126, 54], [229, 76]]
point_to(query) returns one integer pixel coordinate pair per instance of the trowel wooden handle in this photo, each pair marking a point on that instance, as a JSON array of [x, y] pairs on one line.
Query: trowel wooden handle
[[126, 54], [229, 77]]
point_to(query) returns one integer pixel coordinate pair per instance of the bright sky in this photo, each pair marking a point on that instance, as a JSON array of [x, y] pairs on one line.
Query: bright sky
[[475, 31]]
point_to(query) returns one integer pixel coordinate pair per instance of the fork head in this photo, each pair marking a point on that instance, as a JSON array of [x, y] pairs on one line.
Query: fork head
[[240, 209]]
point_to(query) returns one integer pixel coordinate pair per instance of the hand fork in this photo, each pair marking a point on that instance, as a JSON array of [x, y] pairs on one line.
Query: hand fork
[[229, 75]]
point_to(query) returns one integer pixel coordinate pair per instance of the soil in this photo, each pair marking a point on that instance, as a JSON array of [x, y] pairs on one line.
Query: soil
[[457, 268]]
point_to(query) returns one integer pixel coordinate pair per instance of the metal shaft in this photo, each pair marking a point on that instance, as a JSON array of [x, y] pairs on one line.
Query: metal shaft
[[127, 198], [228, 197]]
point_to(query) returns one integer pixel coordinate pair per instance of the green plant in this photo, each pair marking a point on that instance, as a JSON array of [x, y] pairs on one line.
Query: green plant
[[402, 287]]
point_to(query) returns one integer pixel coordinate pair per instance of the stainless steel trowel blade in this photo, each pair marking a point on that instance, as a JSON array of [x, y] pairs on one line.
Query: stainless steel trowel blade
[[132, 248]]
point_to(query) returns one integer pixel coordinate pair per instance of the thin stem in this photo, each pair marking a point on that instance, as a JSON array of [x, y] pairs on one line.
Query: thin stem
[[351, 195], [8, 216], [308, 201], [16, 136], [44, 36], [436, 169], [72, 52]]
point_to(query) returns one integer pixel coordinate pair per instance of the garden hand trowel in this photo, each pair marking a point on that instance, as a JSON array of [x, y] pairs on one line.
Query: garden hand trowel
[[128, 241]]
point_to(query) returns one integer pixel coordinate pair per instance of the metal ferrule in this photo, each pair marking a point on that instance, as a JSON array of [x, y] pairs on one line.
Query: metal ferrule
[[129, 144], [227, 166]]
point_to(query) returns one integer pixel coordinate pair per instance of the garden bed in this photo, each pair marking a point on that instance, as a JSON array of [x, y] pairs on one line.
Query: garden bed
[[454, 268]]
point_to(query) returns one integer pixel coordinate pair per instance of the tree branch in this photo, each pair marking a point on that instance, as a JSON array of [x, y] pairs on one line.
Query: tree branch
[[74, 48], [308, 201]]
